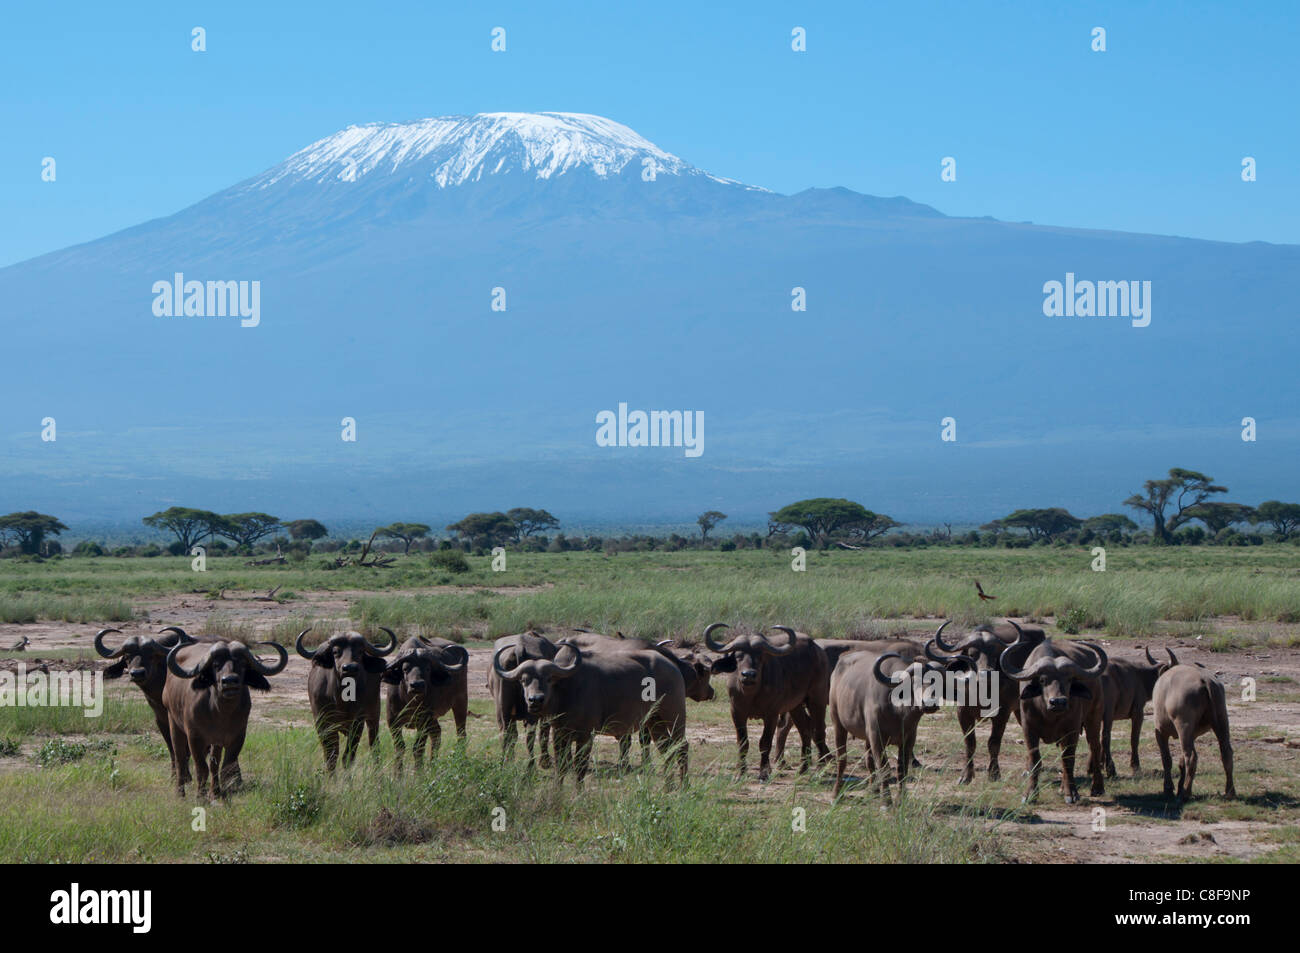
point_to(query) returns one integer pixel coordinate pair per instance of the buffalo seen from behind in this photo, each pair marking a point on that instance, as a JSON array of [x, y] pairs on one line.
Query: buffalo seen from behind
[[1188, 702], [343, 690]]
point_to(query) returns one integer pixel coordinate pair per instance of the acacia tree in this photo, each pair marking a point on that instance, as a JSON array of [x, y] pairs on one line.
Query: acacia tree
[[1183, 489], [189, 525], [1109, 523], [530, 522], [1284, 517], [709, 520], [821, 517], [28, 529], [306, 529], [485, 529], [1044, 524], [406, 532], [866, 531], [245, 529], [1218, 516]]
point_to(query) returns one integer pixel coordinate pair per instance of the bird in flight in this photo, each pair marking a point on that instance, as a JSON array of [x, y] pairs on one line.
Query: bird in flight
[[980, 591]]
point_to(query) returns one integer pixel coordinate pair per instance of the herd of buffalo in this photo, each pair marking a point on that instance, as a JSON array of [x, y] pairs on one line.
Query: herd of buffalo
[[567, 690]]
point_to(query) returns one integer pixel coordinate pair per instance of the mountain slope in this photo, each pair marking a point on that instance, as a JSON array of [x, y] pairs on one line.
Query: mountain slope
[[377, 252]]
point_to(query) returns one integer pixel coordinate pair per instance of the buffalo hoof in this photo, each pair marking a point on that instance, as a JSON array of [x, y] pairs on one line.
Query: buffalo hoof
[[1072, 798], [1098, 790], [967, 778], [995, 773], [1169, 792], [764, 775]]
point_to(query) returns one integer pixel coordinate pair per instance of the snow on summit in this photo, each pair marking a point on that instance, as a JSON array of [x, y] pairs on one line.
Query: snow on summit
[[453, 150]]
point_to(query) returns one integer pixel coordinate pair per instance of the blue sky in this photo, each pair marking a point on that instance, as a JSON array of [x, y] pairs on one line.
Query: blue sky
[[1147, 136]]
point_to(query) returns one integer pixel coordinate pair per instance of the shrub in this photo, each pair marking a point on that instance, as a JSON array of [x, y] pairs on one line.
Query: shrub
[[450, 560]]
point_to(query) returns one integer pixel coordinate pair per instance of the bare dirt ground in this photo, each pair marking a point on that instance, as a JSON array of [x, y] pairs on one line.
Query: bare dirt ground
[[1138, 826]]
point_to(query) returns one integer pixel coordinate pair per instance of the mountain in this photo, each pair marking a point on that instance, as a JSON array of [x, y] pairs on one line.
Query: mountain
[[628, 276]]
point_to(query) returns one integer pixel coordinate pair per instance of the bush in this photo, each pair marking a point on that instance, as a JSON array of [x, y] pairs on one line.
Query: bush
[[1072, 620], [88, 548], [449, 560]]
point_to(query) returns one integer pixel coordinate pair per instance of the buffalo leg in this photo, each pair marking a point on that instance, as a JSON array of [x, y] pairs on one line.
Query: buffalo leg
[[353, 743], [399, 745], [742, 741], [544, 735], [1135, 734], [905, 755], [765, 748], [231, 780], [1105, 747], [1187, 768], [563, 753], [645, 746], [162, 719], [817, 718], [582, 744], [804, 724], [966, 719], [459, 714], [200, 751], [417, 749], [879, 759], [997, 729], [841, 753], [435, 738], [1225, 753], [783, 726], [1166, 760], [1069, 744], [329, 742], [625, 753], [1035, 764], [1092, 731]]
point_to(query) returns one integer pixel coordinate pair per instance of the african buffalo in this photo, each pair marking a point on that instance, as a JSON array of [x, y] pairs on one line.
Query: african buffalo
[[766, 680], [509, 697], [343, 689], [984, 646], [208, 704], [1127, 687], [835, 650], [1189, 702], [426, 679], [145, 660], [1060, 694], [615, 693], [880, 698]]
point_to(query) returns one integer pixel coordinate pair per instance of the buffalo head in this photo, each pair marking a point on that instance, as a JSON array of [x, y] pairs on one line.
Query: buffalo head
[[142, 658], [230, 667], [922, 674], [422, 666], [348, 653], [745, 655], [536, 677], [1049, 673]]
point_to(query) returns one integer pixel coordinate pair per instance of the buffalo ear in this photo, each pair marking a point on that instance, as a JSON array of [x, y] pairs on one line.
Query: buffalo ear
[[256, 681], [392, 674], [116, 669], [373, 665], [1031, 689], [203, 679], [324, 657], [725, 664], [1080, 690]]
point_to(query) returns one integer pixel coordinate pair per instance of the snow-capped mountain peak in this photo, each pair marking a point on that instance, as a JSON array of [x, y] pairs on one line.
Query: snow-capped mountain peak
[[454, 150]]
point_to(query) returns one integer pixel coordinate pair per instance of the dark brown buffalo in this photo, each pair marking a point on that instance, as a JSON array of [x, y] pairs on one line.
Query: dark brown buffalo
[[1127, 687], [766, 680], [1060, 695], [343, 689], [144, 659], [511, 709], [426, 679], [1188, 702], [208, 704], [984, 646], [613, 693]]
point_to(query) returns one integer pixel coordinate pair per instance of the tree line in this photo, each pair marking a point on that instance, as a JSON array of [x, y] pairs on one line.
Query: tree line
[[1171, 503]]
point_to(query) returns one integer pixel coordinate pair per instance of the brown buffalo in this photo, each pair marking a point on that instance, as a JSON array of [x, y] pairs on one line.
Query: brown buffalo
[[835, 650], [208, 704], [984, 646], [145, 661], [765, 680], [509, 697], [1060, 695], [426, 679], [615, 693], [1127, 687], [343, 690], [880, 698], [1189, 702]]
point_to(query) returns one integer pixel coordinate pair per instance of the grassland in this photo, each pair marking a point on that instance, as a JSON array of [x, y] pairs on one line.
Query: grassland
[[76, 789]]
